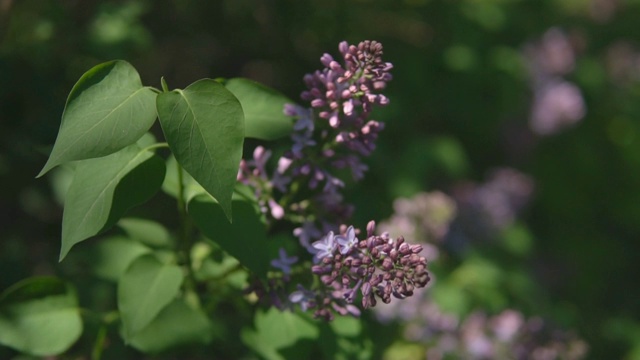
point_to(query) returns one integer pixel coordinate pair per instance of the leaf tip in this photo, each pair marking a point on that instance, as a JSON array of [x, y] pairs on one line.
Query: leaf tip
[[45, 169]]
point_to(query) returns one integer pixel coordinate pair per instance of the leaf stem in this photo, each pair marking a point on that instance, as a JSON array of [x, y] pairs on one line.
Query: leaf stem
[[96, 353], [185, 232], [165, 87]]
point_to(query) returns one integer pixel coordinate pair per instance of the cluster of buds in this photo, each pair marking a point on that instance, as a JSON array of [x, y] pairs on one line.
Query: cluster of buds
[[376, 267], [330, 136]]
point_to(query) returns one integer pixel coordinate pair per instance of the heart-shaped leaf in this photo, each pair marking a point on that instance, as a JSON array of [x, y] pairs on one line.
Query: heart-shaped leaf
[[107, 109], [245, 239], [40, 316], [177, 324], [103, 189], [276, 330], [204, 126], [145, 288]]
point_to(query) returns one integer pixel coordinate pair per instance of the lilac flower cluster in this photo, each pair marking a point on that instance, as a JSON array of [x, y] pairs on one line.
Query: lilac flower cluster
[[425, 217], [487, 208], [557, 103], [329, 137], [507, 335], [376, 267]]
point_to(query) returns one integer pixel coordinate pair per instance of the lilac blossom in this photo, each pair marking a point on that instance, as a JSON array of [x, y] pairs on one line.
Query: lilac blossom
[[375, 268], [348, 241], [331, 135], [305, 298], [557, 103], [284, 262], [325, 246]]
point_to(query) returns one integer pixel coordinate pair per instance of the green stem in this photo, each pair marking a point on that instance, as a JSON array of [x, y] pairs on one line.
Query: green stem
[[185, 232], [165, 87], [96, 353]]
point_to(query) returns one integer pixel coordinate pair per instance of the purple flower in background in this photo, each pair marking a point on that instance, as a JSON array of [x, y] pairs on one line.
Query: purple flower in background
[[305, 298], [485, 209], [284, 262], [557, 103]]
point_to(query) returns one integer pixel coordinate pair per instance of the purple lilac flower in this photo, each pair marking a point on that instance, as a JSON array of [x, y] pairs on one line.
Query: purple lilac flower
[[333, 134], [375, 268], [305, 298], [557, 103], [347, 241], [487, 208], [284, 262], [325, 246]]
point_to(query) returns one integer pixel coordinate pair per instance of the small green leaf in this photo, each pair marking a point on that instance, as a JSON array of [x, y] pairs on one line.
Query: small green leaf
[[276, 330], [171, 184], [40, 316], [245, 239], [147, 232], [263, 109], [204, 126], [146, 287], [177, 324], [112, 256], [107, 109], [103, 189]]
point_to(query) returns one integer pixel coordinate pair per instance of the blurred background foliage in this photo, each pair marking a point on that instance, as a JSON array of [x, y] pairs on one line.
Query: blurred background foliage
[[463, 103]]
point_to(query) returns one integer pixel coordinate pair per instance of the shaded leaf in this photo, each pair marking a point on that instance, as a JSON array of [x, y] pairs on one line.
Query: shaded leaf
[[146, 287], [107, 109], [112, 256], [171, 184], [40, 316], [103, 189], [245, 239], [204, 126], [147, 232], [177, 324], [263, 109]]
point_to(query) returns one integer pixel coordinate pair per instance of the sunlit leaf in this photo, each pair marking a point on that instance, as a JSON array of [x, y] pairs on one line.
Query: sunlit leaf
[[177, 324], [276, 330], [40, 316], [204, 126], [146, 287], [103, 189], [107, 109], [263, 109]]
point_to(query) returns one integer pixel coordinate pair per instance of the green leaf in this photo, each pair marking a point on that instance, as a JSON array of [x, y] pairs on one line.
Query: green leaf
[[204, 126], [103, 189], [263, 109], [146, 287], [276, 330], [147, 232], [177, 324], [107, 109], [112, 256], [40, 316], [171, 184], [245, 239]]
